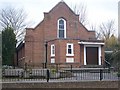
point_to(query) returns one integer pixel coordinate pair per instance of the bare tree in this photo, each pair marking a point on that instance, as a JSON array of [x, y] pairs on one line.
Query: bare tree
[[107, 29], [81, 11], [98, 35], [94, 28], [15, 18]]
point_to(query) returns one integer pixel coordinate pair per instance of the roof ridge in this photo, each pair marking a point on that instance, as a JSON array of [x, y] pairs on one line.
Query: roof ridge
[[62, 1]]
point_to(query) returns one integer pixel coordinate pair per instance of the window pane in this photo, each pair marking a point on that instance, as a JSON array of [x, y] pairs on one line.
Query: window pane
[[61, 33], [69, 46], [61, 22], [53, 47], [61, 27], [69, 51], [53, 52]]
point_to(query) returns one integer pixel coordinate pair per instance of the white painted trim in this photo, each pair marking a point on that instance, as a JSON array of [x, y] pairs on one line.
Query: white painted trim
[[108, 51], [72, 52], [85, 62], [69, 54], [70, 60], [99, 61], [91, 43], [99, 52], [64, 27]]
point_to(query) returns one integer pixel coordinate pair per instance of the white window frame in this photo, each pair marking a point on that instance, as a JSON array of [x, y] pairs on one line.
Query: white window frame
[[52, 50], [72, 49], [64, 28]]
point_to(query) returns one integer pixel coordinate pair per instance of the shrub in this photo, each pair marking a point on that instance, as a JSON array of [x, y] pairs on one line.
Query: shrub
[[53, 71], [118, 74]]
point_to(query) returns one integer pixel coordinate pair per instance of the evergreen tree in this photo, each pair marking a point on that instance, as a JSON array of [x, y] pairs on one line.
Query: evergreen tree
[[8, 46]]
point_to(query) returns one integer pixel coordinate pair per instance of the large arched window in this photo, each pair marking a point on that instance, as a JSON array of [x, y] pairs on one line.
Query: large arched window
[[61, 28]]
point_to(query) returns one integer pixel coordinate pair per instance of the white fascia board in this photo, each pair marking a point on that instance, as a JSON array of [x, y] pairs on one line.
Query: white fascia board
[[92, 43]]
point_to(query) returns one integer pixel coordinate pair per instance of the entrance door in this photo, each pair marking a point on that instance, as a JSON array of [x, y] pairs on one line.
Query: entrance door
[[92, 55]]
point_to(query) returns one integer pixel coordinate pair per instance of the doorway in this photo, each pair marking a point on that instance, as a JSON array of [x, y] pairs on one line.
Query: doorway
[[92, 55]]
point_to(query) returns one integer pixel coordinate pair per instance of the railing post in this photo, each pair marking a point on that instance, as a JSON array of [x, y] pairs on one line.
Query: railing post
[[18, 74], [57, 67], [101, 74], [48, 75], [43, 65], [71, 68]]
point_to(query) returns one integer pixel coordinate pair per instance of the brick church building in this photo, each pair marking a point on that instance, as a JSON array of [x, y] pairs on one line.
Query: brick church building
[[60, 38]]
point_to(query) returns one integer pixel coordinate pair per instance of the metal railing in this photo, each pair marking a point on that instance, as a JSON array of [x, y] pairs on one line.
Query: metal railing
[[107, 63], [68, 74]]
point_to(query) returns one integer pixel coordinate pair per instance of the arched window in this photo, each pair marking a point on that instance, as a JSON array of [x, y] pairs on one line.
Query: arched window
[[61, 28]]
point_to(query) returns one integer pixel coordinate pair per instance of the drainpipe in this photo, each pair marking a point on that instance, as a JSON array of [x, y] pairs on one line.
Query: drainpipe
[[46, 44]]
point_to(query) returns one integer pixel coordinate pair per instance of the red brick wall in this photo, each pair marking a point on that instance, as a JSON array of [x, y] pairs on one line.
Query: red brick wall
[[74, 28], [21, 56], [35, 46], [61, 51], [47, 30], [82, 54]]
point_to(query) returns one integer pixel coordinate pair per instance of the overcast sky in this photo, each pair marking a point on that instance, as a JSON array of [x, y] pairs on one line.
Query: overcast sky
[[98, 11]]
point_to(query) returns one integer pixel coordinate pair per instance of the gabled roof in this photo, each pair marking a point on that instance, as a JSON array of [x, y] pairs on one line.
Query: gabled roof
[[20, 45], [62, 3], [57, 5]]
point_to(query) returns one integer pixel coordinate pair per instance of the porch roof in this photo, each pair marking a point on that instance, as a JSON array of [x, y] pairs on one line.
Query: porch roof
[[97, 42]]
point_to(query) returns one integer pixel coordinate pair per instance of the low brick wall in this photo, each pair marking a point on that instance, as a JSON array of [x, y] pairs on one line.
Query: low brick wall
[[89, 84]]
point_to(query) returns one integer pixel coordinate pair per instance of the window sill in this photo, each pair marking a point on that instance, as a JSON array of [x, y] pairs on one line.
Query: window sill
[[69, 54], [70, 62], [52, 55]]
